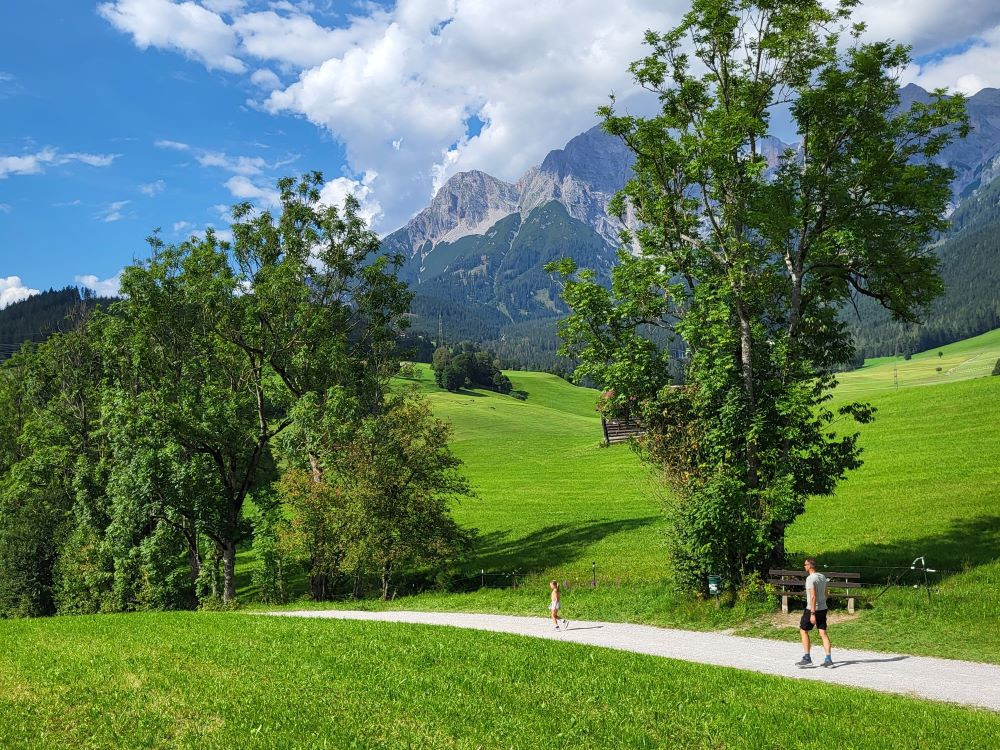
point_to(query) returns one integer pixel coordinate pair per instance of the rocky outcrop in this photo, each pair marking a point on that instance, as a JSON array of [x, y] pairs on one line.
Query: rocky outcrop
[[468, 203]]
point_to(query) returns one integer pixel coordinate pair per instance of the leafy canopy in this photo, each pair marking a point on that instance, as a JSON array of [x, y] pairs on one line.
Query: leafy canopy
[[749, 254]]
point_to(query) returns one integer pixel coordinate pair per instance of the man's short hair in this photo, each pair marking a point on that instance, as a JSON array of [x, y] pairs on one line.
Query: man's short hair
[[810, 561]]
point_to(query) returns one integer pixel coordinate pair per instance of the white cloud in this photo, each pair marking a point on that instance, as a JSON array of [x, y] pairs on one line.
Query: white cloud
[[244, 165], [113, 211], [187, 27], [12, 290], [968, 71], [241, 187], [928, 25], [296, 39], [5, 208], [397, 84], [172, 145], [266, 79], [153, 188], [180, 226], [533, 72], [335, 191], [222, 210], [223, 6], [4, 77], [48, 156], [104, 288]]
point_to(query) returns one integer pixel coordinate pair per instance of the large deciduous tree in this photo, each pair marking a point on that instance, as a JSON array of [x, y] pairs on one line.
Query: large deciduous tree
[[750, 256], [224, 346]]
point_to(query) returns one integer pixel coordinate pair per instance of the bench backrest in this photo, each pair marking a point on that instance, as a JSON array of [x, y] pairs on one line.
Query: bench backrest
[[795, 580]]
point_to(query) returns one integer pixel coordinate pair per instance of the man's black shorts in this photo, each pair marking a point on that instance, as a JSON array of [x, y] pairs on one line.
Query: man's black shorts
[[805, 624]]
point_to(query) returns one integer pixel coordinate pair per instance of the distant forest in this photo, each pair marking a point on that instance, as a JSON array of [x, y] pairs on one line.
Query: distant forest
[[970, 267], [36, 318]]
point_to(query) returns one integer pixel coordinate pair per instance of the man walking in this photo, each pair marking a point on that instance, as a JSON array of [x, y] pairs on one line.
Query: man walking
[[814, 615]]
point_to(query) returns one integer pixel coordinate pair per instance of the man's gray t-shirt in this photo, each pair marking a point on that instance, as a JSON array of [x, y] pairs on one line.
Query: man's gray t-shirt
[[817, 582]]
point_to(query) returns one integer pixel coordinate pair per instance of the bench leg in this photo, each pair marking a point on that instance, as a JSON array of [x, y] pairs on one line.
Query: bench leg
[[784, 605], [850, 605]]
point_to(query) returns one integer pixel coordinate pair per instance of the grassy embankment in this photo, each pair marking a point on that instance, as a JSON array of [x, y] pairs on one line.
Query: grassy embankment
[[552, 500], [204, 680]]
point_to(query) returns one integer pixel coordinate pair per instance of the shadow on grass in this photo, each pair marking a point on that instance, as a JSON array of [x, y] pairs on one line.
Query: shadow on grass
[[549, 546], [968, 543]]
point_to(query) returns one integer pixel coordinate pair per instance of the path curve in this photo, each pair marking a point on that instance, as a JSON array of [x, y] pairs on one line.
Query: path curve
[[967, 683]]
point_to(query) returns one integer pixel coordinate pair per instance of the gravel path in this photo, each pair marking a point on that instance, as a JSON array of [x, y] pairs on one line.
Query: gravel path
[[948, 680]]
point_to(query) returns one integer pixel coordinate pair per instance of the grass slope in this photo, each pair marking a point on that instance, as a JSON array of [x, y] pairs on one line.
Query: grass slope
[[550, 497], [963, 360], [237, 681], [551, 500]]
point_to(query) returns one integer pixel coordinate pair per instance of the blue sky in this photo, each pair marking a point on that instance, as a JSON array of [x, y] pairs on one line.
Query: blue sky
[[120, 116]]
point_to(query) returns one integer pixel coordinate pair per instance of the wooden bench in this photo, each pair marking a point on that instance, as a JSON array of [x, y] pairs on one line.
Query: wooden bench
[[793, 583], [620, 430]]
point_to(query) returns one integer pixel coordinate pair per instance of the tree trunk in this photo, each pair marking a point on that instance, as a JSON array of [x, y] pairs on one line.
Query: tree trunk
[[386, 576], [194, 560], [777, 534], [317, 471], [746, 368], [317, 587], [229, 572]]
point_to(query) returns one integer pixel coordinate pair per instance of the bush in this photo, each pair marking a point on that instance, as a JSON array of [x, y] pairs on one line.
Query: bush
[[996, 368], [270, 576]]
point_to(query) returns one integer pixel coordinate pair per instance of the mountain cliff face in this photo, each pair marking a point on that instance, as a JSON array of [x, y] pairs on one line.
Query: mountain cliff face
[[476, 254]]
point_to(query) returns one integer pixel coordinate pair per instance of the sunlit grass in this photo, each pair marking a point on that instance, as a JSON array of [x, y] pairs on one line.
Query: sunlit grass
[[201, 680]]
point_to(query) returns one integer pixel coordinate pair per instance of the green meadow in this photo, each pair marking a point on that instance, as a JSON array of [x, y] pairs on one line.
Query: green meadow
[[223, 680], [552, 500]]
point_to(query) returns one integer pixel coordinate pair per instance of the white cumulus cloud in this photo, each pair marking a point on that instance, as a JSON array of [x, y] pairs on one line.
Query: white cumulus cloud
[[49, 157], [12, 290], [336, 191], [153, 188], [104, 287], [243, 188], [185, 27], [398, 84]]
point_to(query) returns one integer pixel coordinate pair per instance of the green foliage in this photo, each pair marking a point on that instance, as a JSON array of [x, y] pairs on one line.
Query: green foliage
[[750, 263], [270, 577], [467, 365], [996, 368], [398, 480], [130, 446]]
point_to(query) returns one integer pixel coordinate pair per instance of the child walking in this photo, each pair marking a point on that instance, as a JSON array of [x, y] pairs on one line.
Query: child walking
[[555, 605]]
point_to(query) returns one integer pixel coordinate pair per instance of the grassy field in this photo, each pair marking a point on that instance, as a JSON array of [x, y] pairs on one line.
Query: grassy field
[[552, 500], [963, 360], [202, 680], [551, 497]]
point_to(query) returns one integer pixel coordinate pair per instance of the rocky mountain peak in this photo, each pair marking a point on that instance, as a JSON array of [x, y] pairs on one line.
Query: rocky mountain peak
[[468, 203]]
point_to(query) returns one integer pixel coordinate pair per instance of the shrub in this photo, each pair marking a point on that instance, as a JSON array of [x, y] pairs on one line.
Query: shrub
[[996, 368]]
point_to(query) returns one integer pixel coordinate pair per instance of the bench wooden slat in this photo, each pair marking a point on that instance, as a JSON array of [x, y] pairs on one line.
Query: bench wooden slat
[[802, 573], [800, 585]]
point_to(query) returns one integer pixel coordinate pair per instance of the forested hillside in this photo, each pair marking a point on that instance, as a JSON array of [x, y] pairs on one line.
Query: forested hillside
[[33, 319], [970, 268]]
